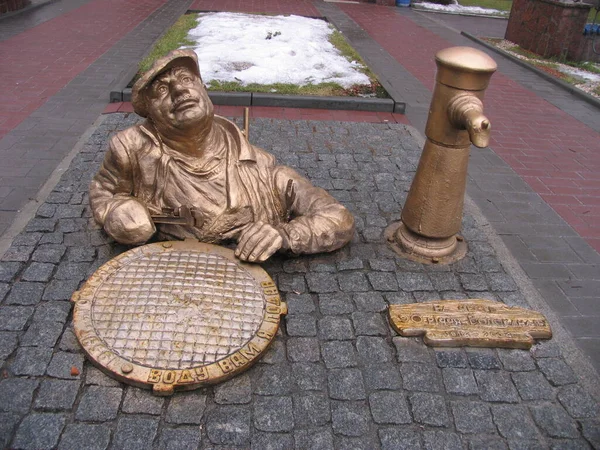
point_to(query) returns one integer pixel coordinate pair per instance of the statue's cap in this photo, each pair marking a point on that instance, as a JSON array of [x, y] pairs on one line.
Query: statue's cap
[[175, 58]]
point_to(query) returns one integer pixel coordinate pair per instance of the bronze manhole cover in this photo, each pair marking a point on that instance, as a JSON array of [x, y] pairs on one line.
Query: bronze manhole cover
[[176, 315]]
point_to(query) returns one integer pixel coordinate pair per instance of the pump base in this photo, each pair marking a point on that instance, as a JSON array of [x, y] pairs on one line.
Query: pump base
[[423, 249]]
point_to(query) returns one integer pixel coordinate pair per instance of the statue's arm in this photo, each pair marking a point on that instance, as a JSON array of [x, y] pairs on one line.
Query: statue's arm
[[319, 223], [112, 201]]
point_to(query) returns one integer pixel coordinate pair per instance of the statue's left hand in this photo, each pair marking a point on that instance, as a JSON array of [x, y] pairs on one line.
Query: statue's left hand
[[257, 242]]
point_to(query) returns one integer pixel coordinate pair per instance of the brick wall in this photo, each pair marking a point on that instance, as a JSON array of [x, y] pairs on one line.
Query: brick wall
[[12, 5], [548, 27]]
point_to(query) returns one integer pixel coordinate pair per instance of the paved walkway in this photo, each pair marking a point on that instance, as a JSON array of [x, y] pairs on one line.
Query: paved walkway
[[334, 379]]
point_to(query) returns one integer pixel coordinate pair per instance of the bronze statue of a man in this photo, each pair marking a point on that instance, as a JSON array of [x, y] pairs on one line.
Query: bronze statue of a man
[[184, 161]]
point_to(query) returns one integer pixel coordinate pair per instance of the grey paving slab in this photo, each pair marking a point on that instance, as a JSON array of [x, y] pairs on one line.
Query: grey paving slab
[[351, 383]]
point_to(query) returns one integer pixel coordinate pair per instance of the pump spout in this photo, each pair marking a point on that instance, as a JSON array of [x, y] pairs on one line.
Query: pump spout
[[465, 112]]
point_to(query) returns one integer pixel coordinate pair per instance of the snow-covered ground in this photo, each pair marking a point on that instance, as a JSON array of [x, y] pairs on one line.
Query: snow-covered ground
[[270, 49], [459, 9]]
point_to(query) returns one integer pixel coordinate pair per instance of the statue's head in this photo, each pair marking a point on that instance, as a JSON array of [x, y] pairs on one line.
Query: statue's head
[[171, 93]]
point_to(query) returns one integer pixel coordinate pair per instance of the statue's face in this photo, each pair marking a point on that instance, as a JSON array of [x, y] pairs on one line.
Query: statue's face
[[178, 99]]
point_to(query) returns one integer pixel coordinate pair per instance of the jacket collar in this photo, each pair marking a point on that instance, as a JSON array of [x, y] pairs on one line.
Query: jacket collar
[[244, 150]]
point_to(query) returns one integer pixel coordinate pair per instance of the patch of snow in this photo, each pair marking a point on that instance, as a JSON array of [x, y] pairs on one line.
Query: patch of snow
[[270, 49], [459, 9], [590, 76]]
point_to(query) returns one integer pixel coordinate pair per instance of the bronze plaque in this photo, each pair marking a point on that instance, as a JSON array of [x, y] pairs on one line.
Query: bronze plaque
[[176, 315], [473, 323]]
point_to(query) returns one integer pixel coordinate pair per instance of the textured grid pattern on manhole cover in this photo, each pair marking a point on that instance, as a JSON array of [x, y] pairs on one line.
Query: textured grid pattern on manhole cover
[[179, 309]]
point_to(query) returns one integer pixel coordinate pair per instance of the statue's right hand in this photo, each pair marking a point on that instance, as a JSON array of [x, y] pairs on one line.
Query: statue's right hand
[[130, 223]]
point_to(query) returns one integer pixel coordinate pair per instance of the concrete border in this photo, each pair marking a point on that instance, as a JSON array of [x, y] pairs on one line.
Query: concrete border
[[566, 86], [290, 101]]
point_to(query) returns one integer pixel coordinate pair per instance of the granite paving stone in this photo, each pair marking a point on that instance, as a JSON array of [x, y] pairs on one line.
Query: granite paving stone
[[85, 435], [309, 376], [346, 384], [514, 422], [429, 409], [578, 403], [8, 270], [472, 417], [411, 350], [14, 318], [591, 431], [556, 371], [100, 404], [273, 380], [373, 350], [349, 418], [370, 324], [459, 381], [441, 440], [451, 358], [274, 414], [382, 376], [238, 390], [533, 386], [94, 376], [40, 272], [420, 377], [56, 394], [135, 432], [301, 325], [141, 401], [31, 361], [555, 421], [311, 409], [62, 365], [339, 354], [314, 438], [56, 311], [8, 343], [42, 334], [332, 304], [300, 303], [353, 282], [39, 431], [303, 349], [16, 394], [369, 302], [25, 293], [180, 437], [516, 360], [229, 425], [335, 328], [8, 424], [496, 386], [272, 441], [186, 408], [388, 407], [394, 438], [483, 358]]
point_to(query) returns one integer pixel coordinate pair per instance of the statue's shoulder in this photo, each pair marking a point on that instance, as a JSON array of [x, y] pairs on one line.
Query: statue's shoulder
[[131, 139]]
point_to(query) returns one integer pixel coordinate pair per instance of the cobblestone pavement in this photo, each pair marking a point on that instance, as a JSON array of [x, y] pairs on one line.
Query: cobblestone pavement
[[336, 376]]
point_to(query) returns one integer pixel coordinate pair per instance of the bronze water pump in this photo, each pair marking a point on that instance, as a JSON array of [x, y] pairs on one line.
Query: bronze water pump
[[432, 215]]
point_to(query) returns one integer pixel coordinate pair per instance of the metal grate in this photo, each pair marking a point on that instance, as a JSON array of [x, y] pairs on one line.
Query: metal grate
[[177, 310]]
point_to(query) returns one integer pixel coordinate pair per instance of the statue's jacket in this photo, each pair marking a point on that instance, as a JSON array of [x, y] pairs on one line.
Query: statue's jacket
[[227, 190]]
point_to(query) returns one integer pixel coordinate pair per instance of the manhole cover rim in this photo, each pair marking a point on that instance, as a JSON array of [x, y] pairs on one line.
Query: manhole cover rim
[[165, 381]]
